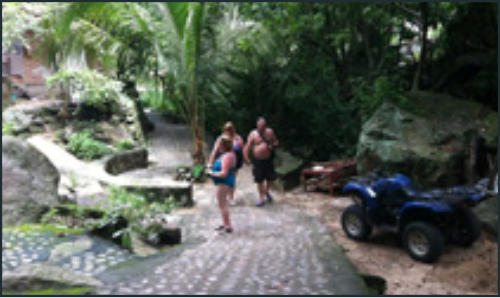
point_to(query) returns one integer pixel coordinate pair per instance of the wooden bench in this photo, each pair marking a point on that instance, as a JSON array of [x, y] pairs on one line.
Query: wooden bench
[[328, 174]]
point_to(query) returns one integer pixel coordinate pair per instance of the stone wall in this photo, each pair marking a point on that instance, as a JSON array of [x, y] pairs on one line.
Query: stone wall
[[125, 161]]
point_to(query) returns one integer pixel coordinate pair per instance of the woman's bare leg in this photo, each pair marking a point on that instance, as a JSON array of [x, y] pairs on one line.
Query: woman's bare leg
[[232, 189], [231, 194], [222, 192]]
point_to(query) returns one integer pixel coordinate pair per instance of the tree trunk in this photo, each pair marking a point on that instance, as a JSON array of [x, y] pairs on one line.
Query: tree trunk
[[197, 127], [424, 11], [366, 43], [198, 156]]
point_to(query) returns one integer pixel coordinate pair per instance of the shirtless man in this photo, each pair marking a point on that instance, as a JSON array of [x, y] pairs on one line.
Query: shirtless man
[[262, 142]]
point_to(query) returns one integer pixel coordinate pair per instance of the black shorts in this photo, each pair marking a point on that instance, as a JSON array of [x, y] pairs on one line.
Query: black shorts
[[263, 169]]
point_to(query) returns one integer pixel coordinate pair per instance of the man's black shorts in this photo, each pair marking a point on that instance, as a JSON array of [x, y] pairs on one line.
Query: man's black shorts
[[263, 169]]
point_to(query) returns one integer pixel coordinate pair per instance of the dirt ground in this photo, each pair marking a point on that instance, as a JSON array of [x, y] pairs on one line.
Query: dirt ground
[[459, 271]]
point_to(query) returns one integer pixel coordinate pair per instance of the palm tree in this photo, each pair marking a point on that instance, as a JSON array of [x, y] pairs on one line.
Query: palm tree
[[185, 20], [158, 40], [122, 39]]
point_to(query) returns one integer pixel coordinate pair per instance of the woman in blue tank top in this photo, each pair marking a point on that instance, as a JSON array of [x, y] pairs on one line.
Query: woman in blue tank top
[[223, 175], [229, 131]]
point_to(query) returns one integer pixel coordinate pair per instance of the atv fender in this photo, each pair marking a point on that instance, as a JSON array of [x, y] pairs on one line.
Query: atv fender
[[364, 192], [422, 211]]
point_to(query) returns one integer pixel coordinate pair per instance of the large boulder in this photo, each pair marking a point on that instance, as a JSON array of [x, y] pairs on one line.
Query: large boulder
[[432, 145], [38, 278], [287, 169], [29, 182], [31, 117], [487, 212]]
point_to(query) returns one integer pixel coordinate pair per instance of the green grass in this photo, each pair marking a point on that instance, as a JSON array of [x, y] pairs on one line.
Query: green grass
[[58, 292]]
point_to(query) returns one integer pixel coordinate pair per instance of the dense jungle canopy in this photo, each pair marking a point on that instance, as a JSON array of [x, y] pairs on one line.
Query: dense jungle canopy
[[316, 71]]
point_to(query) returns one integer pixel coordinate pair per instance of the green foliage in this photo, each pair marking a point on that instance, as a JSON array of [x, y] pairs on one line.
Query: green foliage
[[72, 216], [53, 292], [19, 17], [7, 128], [125, 144], [156, 99], [85, 147], [134, 207], [91, 86], [126, 240], [327, 66], [198, 171], [370, 97]]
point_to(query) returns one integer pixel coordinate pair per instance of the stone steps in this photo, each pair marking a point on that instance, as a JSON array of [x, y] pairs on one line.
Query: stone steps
[[69, 165]]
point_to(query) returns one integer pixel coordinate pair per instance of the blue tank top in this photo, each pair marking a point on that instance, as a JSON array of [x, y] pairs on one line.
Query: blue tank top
[[229, 180]]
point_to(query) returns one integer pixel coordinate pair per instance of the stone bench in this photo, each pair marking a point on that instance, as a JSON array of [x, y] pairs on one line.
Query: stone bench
[[159, 189]]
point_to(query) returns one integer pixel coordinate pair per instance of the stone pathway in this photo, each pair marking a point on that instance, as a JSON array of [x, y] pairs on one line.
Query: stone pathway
[[91, 177], [83, 254], [273, 250], [169, 147]]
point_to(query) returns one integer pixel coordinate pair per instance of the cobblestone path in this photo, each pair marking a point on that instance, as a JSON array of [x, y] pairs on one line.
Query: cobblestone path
[[87, 255], [273, 250], [169, 146]]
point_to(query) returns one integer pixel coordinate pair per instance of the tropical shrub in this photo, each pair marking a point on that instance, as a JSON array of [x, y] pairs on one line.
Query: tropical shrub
[[125, 144], [135, 208], [85, 147], [88, 85], [131, 206], [371, 96]]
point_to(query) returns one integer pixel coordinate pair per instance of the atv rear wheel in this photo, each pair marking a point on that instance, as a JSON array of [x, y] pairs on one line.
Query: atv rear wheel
[[468, 228], [423, 241], [355, 224]]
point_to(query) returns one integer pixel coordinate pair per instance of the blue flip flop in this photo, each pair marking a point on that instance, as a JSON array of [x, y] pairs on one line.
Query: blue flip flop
[[260, 204]]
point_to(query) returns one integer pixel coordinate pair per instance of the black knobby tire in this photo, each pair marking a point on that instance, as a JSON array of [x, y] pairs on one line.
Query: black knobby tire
[[423, 241], [468, 228], [355, 224]]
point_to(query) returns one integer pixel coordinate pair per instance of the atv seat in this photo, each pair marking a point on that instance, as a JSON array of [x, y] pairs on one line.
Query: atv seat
[[414, 194], [451, 193]]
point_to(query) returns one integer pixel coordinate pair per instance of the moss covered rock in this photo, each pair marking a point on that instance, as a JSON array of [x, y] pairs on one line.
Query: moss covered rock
[[29, 182], [43, 278], [287, 169], [431, 143]]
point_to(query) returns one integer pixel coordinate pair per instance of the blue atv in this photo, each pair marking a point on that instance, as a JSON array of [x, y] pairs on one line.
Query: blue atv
[[425, 220]]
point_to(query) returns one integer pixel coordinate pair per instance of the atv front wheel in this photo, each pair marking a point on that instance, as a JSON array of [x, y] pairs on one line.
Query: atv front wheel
[[468, 228], [423, 241], [355, 224]]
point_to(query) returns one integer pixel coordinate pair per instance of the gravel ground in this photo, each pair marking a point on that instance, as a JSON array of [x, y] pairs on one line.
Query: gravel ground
[[459, 271]]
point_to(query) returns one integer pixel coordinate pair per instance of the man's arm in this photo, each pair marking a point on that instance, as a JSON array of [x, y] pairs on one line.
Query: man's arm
[[247, 147], [274, 139]]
